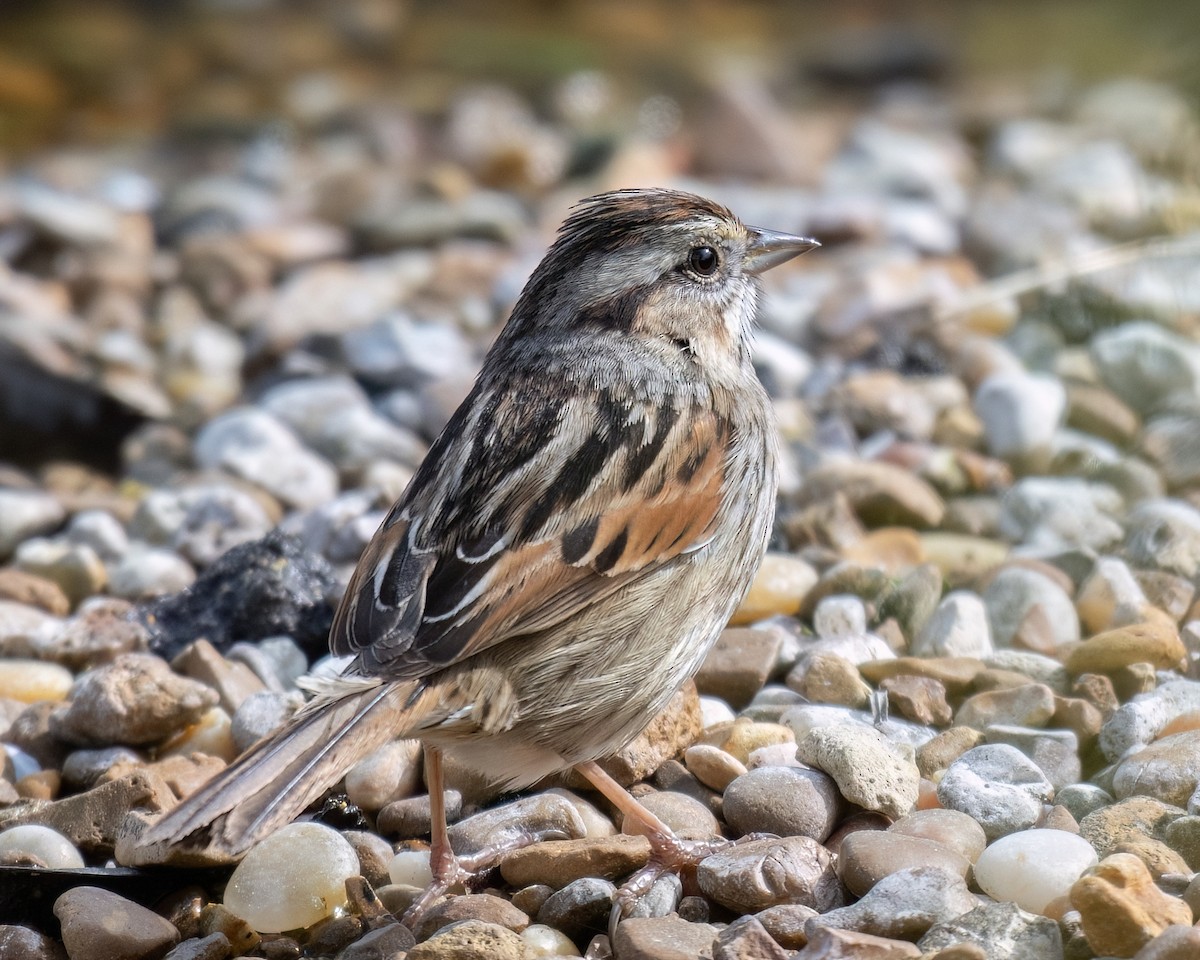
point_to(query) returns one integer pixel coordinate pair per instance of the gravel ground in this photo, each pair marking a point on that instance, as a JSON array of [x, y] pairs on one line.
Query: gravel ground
[[962, 697]]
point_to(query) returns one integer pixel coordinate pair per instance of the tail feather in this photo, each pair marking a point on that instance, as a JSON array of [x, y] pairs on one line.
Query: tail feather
[[277, 778]]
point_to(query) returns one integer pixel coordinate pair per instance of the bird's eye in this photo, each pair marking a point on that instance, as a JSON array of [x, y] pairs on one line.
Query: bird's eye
[[703, 261]]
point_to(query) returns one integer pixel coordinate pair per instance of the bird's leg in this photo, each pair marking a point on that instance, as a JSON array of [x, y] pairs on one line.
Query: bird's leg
[[668, 853], [448, 869]]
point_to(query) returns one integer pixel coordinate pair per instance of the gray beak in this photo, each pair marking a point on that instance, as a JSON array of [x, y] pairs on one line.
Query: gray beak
[[769, 248]]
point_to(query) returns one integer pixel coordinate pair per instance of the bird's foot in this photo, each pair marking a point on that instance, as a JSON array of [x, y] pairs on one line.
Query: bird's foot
[[451, 872]]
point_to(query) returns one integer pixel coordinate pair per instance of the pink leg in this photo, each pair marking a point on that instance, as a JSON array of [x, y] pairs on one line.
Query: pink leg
[[668, 853]]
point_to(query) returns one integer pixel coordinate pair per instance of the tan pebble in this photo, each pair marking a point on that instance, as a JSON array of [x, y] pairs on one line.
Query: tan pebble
[[212, 734], [1027, 705], [391, 772], [831, 943], [556, 863], [920, 699], [1079, 716], [1155, 642], [746, 736], [780, 586], [595, 823], [1120, 908], [738, 665], [881, 493], [828, 678], [1156, 855], [712, 766], [43, 785], [895, 549], [937, 754], [867, 856], [961, 557], [32, 680], [950, 828], [957, 674], [1183, 723], [34, 591]]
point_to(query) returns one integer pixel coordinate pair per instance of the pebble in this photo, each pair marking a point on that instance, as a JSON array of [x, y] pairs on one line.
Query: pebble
[[823, 677], [867, 856], [147, 572], [713, 766], [1032, 868], [1167, 770], [757, 874], [1156, 642], [869, 769], [259, 715], [544, 813], [788, 801], [1056, 752], [919, 699], [1120, 907], [543, 941], [1059, 513], [30, 681], [958, 628], [392, 772], [996, 929], [1020, 412], [1108, 827], [997, 786], [1029, 705], [780, 586], [47, 846], [663, 938], [27, 589], [25, 514], [292, 879], [739, 664], [471, 938], [1136, 723], [201, 522], [412, 816], [580, 908], [251, 444], [74, 567], [103, 926], [948, 828], [1014, 592], [557, 863], [880, 493], [484, 907], [901, 906], [134, 700]]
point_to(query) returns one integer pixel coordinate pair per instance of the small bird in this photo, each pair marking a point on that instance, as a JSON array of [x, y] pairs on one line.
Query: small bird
[[571, 547]]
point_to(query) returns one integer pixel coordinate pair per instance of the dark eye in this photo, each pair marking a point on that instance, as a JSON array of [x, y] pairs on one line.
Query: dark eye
[[703, 261]]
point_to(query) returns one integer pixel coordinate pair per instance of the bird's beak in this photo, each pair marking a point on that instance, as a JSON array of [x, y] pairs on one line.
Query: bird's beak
[[769, 248]]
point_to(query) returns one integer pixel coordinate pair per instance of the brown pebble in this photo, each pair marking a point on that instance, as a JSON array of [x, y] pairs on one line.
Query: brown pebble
[[942, 750], [739, 664], [1120, 907], [556, 863], [34, 591], [920, 699]]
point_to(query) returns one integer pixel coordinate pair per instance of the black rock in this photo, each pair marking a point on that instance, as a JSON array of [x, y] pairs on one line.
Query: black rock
[[266, 588]]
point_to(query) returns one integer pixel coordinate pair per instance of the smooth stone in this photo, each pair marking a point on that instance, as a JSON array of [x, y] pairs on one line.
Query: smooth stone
[[958, 628], [822, 677], [998, 786], [763, 873], [382, 943], [663, 938], [1120, 907], [1056, 752], [1146, 365], [948, 828], [1014, 592], [1031, 868], [134, 700], [1082, 799], [485, 907], [544, 941], [100, 925], [919, 699], [391, 772], [687, 816], [46, 845], [30, 590], [745, 736], [1031, 705], [254, 445], [881, 493], [786, 923], [23, 943], [28, 513], [1110, 597], [745, 938], [912, 600], [1056, 513], [581, 907], [867, 856], [259, 715], [713, 766], [1176, 942], [788, 801], [1156, 642], [30, 681], [1167, 770], [1020, 412], [1140, 721], [869, 769], [829, 943], [542, 813], [780, 586], [410, 868], [839, 615], [557, 863], [74, 567], [739, 664], [201, 522], [147, 572], [1164, 534], [101, 531], [292, 879], [902, 906], [996, 930]]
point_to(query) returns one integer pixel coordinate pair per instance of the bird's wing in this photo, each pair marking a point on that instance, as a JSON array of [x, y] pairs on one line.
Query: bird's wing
[[530, 508]]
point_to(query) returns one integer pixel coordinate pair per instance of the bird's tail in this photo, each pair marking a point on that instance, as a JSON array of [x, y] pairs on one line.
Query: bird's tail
[[276, 779]]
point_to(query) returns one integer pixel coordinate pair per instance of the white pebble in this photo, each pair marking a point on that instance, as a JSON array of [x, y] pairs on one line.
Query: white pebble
[[1033, 867], [292, 879], [543, 941], [411, 867], [33, 680], [714, 710], [49, 846]]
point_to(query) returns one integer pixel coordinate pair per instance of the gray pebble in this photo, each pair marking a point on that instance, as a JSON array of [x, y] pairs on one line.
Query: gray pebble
[[1056, 752], [101, 531], [903, 905], [411, 817], [1080, 799], [1014, 591], [580, 909], [260, 715], [1056, 513], [787, 801], [1002, 930], [763, 873], [958, 628], [997, 785], [147, 572], [548, 815], [1020, 412], [869, 769]]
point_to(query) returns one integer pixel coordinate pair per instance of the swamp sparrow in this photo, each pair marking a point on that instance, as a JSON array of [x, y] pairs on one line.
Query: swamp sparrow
[[572, 545]]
